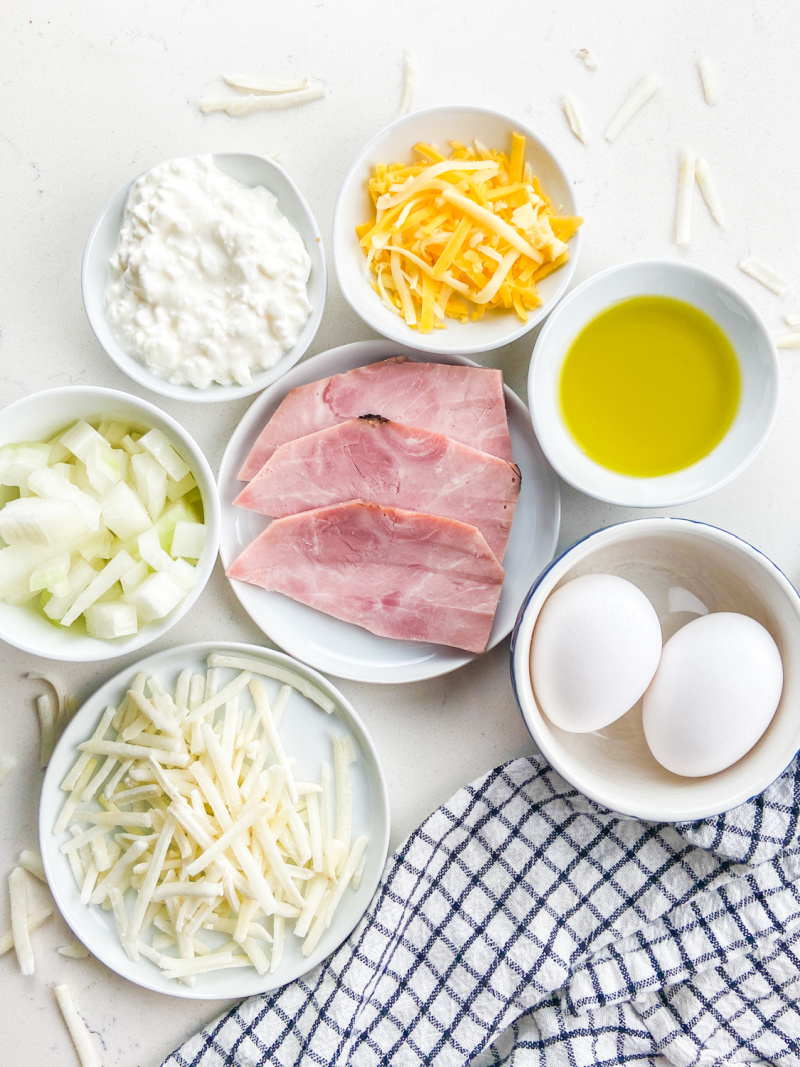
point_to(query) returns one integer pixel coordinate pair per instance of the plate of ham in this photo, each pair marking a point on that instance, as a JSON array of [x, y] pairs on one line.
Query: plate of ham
[[385, 511]]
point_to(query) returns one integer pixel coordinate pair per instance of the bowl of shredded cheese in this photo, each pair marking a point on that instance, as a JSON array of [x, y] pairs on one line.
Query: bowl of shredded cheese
[[455, 229]]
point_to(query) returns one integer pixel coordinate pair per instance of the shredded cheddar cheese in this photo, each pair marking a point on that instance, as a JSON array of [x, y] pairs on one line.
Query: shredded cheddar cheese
[[455, 236]]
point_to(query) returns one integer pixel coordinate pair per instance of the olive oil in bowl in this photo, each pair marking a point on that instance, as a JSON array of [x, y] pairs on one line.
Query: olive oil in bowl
[[649, 386]]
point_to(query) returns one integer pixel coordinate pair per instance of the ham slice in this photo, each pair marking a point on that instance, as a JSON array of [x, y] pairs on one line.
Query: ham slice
[[397, 573], [388, 463], [465, 403]]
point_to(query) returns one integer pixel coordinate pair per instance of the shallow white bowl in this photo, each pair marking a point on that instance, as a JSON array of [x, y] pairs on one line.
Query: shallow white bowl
[[668, 559], [758, 367], [249, 170], [40, 416], [306, 732], [440, 125], [340, 648]]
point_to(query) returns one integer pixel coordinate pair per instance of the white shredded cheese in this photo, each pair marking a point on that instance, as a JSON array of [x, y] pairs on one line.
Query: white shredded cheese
[[765, 275], [7, 765], [79, 1032], [32, 862], [788, 340], [708, 78], [238, 106], [792, 319], [637, 98], [588, 58], [19, 921], [709, 191], [264, 85], [683, 213], [35, 919], [74, 950], [409, 72], [209, 830], [574, 118]]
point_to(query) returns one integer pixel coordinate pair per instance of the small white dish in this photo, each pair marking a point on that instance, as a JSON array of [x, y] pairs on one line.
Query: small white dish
[[395, 143], [686, 569], [40, 416], [249, 170], [339, 648], [758, 367], [306, 732]]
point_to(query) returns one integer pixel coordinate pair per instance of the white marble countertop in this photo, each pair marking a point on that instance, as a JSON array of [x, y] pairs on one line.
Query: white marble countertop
[[93, 93]]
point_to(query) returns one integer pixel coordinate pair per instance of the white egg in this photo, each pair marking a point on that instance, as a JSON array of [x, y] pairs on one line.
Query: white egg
[[595, 649], [713, 695]]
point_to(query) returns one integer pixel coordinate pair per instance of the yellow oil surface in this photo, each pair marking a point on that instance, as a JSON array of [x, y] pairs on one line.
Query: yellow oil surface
[[649, 386]]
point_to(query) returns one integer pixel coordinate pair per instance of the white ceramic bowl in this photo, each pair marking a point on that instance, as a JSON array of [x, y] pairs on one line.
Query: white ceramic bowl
[[40, 416], [249, 170], [758, 367], [440, 125], [306, 732], [671, 561]]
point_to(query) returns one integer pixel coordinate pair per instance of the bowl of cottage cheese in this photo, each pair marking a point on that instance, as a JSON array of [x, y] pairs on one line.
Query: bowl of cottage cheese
[[204, 278]]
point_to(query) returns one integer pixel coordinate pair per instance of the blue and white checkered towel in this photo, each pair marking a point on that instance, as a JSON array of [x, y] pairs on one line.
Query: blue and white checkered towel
[[523, 925]]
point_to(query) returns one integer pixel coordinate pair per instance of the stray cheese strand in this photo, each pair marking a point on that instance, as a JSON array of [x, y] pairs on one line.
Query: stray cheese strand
[[764, 275], [708, 78], [574, 117], [683, 215], [709, 191], [78, 1030], [454, 237], [638, 97]]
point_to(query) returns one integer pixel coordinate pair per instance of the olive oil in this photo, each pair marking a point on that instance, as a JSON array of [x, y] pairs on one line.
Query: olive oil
[[649, 386]]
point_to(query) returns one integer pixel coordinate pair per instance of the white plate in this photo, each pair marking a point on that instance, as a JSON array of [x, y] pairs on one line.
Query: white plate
[[341, 648], [306, 732]]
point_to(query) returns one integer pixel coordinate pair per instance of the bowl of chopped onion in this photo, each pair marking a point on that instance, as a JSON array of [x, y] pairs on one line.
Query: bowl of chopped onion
[[455, 230], [109, 520]]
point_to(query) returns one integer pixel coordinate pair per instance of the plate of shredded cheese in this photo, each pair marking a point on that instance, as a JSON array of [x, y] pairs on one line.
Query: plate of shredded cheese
[[456, 229], [214, 821]]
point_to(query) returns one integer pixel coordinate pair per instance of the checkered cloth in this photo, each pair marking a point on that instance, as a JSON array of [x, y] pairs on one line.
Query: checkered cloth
[[523, 925]]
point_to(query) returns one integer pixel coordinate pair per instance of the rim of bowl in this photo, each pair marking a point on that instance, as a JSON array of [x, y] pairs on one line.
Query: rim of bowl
[[412, 338], [213, 393], [673, 500], [106, 649], [519, 663]]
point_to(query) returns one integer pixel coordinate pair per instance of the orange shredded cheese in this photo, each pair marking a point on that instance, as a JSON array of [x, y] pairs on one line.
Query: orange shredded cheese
[[455, 236]]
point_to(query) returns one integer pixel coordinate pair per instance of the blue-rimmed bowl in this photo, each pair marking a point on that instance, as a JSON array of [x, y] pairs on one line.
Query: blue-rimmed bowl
[[686, 569]]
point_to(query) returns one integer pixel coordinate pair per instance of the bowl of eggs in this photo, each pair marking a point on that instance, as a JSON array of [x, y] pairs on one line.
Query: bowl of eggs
[[652, 384], [656, 664]]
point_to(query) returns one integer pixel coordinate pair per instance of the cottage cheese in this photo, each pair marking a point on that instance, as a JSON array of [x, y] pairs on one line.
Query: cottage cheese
[[208, 282]]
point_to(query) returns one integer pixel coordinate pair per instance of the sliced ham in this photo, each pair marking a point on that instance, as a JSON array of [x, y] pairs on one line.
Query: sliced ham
[[392, 464], [465, 403], [397, 573]]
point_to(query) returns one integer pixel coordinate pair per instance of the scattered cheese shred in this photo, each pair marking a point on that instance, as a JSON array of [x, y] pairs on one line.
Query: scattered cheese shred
[[32, 862], [409, 72], [238, 106], [209, 829], [47, 727], [588, 58], [792, 319], [74, 950], [637, 98], [79, 1032], [456, 237], [708, 78], [19, 921], [788, 340], [264, 85], [709, 191], [35, 919], [574, 117], [683, 214], [763, 274], [7, 765]]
